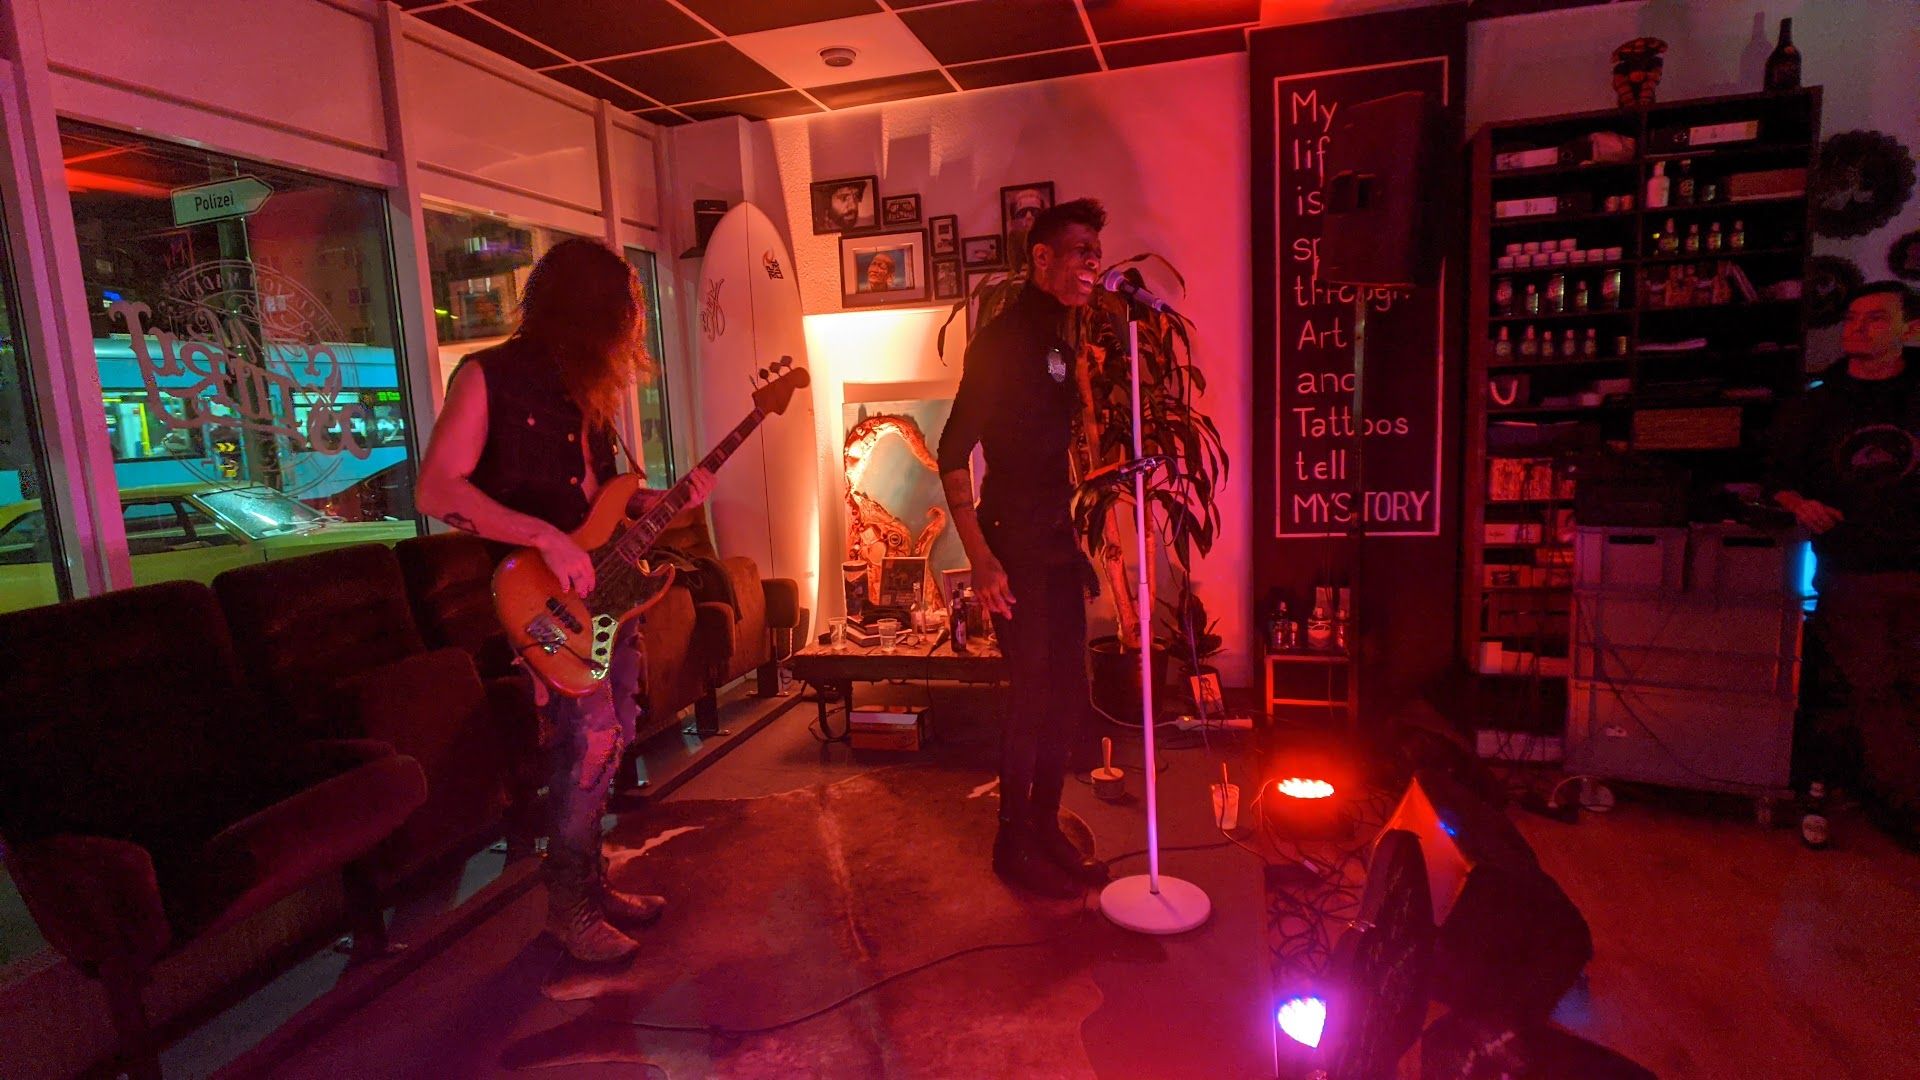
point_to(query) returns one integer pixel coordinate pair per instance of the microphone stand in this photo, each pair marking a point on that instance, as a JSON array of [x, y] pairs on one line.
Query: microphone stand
[[1148, 903]]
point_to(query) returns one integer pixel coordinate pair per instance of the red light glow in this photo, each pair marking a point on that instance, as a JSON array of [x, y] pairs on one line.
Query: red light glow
[[1303, 1019], [1302, 788]]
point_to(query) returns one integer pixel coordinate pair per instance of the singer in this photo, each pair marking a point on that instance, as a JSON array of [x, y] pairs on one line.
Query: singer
[[1017, 401]]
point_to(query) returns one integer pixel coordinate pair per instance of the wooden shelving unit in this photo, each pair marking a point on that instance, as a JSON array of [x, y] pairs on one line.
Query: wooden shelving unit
[[1750, 344]]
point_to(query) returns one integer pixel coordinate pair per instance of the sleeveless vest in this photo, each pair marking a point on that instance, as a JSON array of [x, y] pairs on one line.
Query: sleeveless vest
[[532, 461]]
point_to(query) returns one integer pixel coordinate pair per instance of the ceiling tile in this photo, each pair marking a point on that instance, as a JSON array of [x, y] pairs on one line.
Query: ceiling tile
[[420, 3], [663, 117], [883, 44], [748, 16], [1114, 20], [1180, 47], [986, 29], [900, 4], [1025, 69], [489, 36], [590, 81], [585, 31], [757, 107], [695, 73], [893, 88]]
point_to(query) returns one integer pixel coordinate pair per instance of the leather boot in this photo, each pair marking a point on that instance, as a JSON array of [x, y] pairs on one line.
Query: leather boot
[[574, 915], [1053, 844], [1019, 861], [630, 909]]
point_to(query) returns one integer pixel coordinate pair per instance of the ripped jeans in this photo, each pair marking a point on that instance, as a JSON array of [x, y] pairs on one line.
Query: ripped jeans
[[590, 735]]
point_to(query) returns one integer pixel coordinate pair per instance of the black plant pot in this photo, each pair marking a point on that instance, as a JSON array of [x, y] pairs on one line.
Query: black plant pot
[[1116, 677]]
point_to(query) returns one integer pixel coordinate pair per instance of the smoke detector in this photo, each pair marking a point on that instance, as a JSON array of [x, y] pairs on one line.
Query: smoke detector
[[838, 56]]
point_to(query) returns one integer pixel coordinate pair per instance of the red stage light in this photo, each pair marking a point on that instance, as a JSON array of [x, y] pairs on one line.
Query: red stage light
[[1303, 1019], [1298, 787]]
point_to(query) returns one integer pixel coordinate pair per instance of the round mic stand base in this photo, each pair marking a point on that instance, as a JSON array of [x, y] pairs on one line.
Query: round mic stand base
[[1132, 903]]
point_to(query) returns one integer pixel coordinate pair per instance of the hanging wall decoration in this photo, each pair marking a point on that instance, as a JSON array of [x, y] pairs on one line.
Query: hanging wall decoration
[[1637, 67], [1903, 258], [1830, 278], [1862, 179]]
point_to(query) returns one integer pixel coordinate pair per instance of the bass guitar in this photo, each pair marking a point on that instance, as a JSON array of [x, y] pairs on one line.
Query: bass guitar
[[567, 639]]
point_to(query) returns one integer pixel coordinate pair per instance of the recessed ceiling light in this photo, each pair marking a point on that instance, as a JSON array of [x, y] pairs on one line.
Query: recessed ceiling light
[[838, 56]]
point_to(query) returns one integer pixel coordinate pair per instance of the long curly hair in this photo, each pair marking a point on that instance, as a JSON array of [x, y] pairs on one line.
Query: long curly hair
[[583, 308]]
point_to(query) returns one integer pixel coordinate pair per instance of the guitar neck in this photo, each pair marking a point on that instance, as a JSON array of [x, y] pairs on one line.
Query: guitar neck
[[668, 506]]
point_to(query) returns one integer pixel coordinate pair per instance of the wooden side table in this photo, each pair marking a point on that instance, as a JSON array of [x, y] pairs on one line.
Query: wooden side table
[[1304, 685]]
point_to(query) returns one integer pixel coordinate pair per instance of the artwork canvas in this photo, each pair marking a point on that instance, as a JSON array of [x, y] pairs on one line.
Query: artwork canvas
[[895, 506]]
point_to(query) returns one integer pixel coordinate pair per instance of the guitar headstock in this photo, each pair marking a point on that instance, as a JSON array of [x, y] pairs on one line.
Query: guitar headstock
[[777, 385]]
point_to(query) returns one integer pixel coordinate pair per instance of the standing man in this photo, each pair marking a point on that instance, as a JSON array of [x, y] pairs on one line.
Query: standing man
[[1844, 463], [522, 446], [1017, 402]]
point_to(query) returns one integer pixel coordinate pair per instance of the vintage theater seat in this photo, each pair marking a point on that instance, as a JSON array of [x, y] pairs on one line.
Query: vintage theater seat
[[738, 611], [330, 644], [449, 580], [147, 800]]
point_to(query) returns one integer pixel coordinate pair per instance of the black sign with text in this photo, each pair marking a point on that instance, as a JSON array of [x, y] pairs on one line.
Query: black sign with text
[[1317, 478]]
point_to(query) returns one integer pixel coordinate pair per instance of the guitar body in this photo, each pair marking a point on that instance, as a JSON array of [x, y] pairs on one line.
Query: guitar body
[[565, 638]]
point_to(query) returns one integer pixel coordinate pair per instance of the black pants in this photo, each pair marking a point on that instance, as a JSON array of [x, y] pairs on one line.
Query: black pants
[[1045, 643], [1867, 630]]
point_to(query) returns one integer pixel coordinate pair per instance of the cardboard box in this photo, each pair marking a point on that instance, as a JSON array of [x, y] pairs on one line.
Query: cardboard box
[[1766, 184], [1529, 159], [886, 727]]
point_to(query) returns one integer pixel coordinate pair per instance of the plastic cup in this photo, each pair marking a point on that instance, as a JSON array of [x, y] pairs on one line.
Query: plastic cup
[[1226, 806], [889, 631], [837, 629]]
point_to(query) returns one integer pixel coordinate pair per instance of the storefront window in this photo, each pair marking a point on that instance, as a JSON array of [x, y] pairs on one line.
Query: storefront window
[[247, 339], [29, 574], [656, 430]]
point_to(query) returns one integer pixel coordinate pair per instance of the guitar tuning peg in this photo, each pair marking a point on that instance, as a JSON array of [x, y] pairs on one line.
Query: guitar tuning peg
[[763, 374], [784, 363]]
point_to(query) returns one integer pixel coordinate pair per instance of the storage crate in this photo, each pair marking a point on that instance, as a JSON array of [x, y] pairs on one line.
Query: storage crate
[[1708, 741]]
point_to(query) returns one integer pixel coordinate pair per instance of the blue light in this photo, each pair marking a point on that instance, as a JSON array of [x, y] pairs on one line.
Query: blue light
[[1448, 829]]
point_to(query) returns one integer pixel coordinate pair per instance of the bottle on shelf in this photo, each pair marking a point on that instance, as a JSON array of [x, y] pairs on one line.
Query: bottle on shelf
[[1669, 238], [1590, 348], [1532, 302], [1739, 238], [1621, 345], [1610, 288], [1319, 624], [1783, 65], [1503, 296], [1503, 346], [1683, 187], [1582, 298], [1529, 344], [1557, 294], [1715, 238], [1659, 241], [1692, 244], [1659, 187], [1569, 348]]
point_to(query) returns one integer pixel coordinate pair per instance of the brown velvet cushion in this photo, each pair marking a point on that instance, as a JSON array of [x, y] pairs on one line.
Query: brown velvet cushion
[[450, 585], [302, 625], [121, 714], [688, 533]]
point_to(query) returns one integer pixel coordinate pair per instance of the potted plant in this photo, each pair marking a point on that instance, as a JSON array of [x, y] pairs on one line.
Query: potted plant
[[1183, 501]]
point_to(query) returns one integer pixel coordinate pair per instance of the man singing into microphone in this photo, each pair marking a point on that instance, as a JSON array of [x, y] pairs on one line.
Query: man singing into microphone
[[1017, 401]]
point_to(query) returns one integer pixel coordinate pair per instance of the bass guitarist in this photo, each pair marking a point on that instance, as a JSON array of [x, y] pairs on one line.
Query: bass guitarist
[[523, 444]]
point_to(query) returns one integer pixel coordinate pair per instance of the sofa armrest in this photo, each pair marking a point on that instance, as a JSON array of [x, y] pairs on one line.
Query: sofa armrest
[[308, 762], [783, 603], [714, 633], [413, 697], [96, 899]]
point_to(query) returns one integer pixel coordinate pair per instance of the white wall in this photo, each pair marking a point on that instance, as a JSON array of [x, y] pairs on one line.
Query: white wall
[[1865, 54], [1164, 147]]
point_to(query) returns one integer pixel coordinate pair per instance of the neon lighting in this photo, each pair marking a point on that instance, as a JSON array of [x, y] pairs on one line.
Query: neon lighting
[[1301, 788], [1303, 1019]]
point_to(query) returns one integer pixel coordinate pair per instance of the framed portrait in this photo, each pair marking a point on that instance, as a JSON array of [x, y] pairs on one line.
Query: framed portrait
[[1019, 205], [949, 280], [983, 252], [881, 268], [897, 210], [945, 231], [844, 205]]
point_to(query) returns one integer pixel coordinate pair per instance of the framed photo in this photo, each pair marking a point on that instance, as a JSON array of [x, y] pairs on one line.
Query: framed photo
[[949, 280], [974, 315], [897, 210], [900, 579], [951, 582], [983, 252], [881, 268], [1206, 694], [946, 234], [1019, 205], [844, 205]]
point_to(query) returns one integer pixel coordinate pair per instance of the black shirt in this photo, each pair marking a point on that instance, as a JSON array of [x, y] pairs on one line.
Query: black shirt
[[532, 462], [1853, 444], [1017, 400]]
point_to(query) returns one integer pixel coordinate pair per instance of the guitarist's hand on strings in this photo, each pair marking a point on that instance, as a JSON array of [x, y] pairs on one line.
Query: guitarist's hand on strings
[[699, 485], [568, 561]]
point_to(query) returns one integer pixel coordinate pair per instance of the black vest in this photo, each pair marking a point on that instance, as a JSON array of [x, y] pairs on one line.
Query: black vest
[[532, 461]]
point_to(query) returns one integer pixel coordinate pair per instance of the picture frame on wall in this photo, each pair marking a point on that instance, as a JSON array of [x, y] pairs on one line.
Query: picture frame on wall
[[983, 252], [844, 205], [949, 279], [1019, 205], [882, 268], [975, 278], [899, 210], [945, 233]]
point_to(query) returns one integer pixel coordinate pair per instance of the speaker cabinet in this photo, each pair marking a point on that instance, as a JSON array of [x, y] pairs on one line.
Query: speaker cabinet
[[1384, 193]]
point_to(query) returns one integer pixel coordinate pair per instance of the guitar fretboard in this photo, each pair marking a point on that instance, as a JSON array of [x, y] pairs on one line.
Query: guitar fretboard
[[648, 528]]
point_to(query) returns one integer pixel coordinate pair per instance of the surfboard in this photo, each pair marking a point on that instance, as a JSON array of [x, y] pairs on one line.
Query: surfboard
[[765, 502]]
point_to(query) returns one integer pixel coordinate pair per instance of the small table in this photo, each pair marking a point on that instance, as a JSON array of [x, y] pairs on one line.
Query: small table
[[821, 666]]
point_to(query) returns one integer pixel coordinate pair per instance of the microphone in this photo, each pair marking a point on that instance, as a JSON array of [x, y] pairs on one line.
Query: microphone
[[1126, 283], [1127, 470]]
